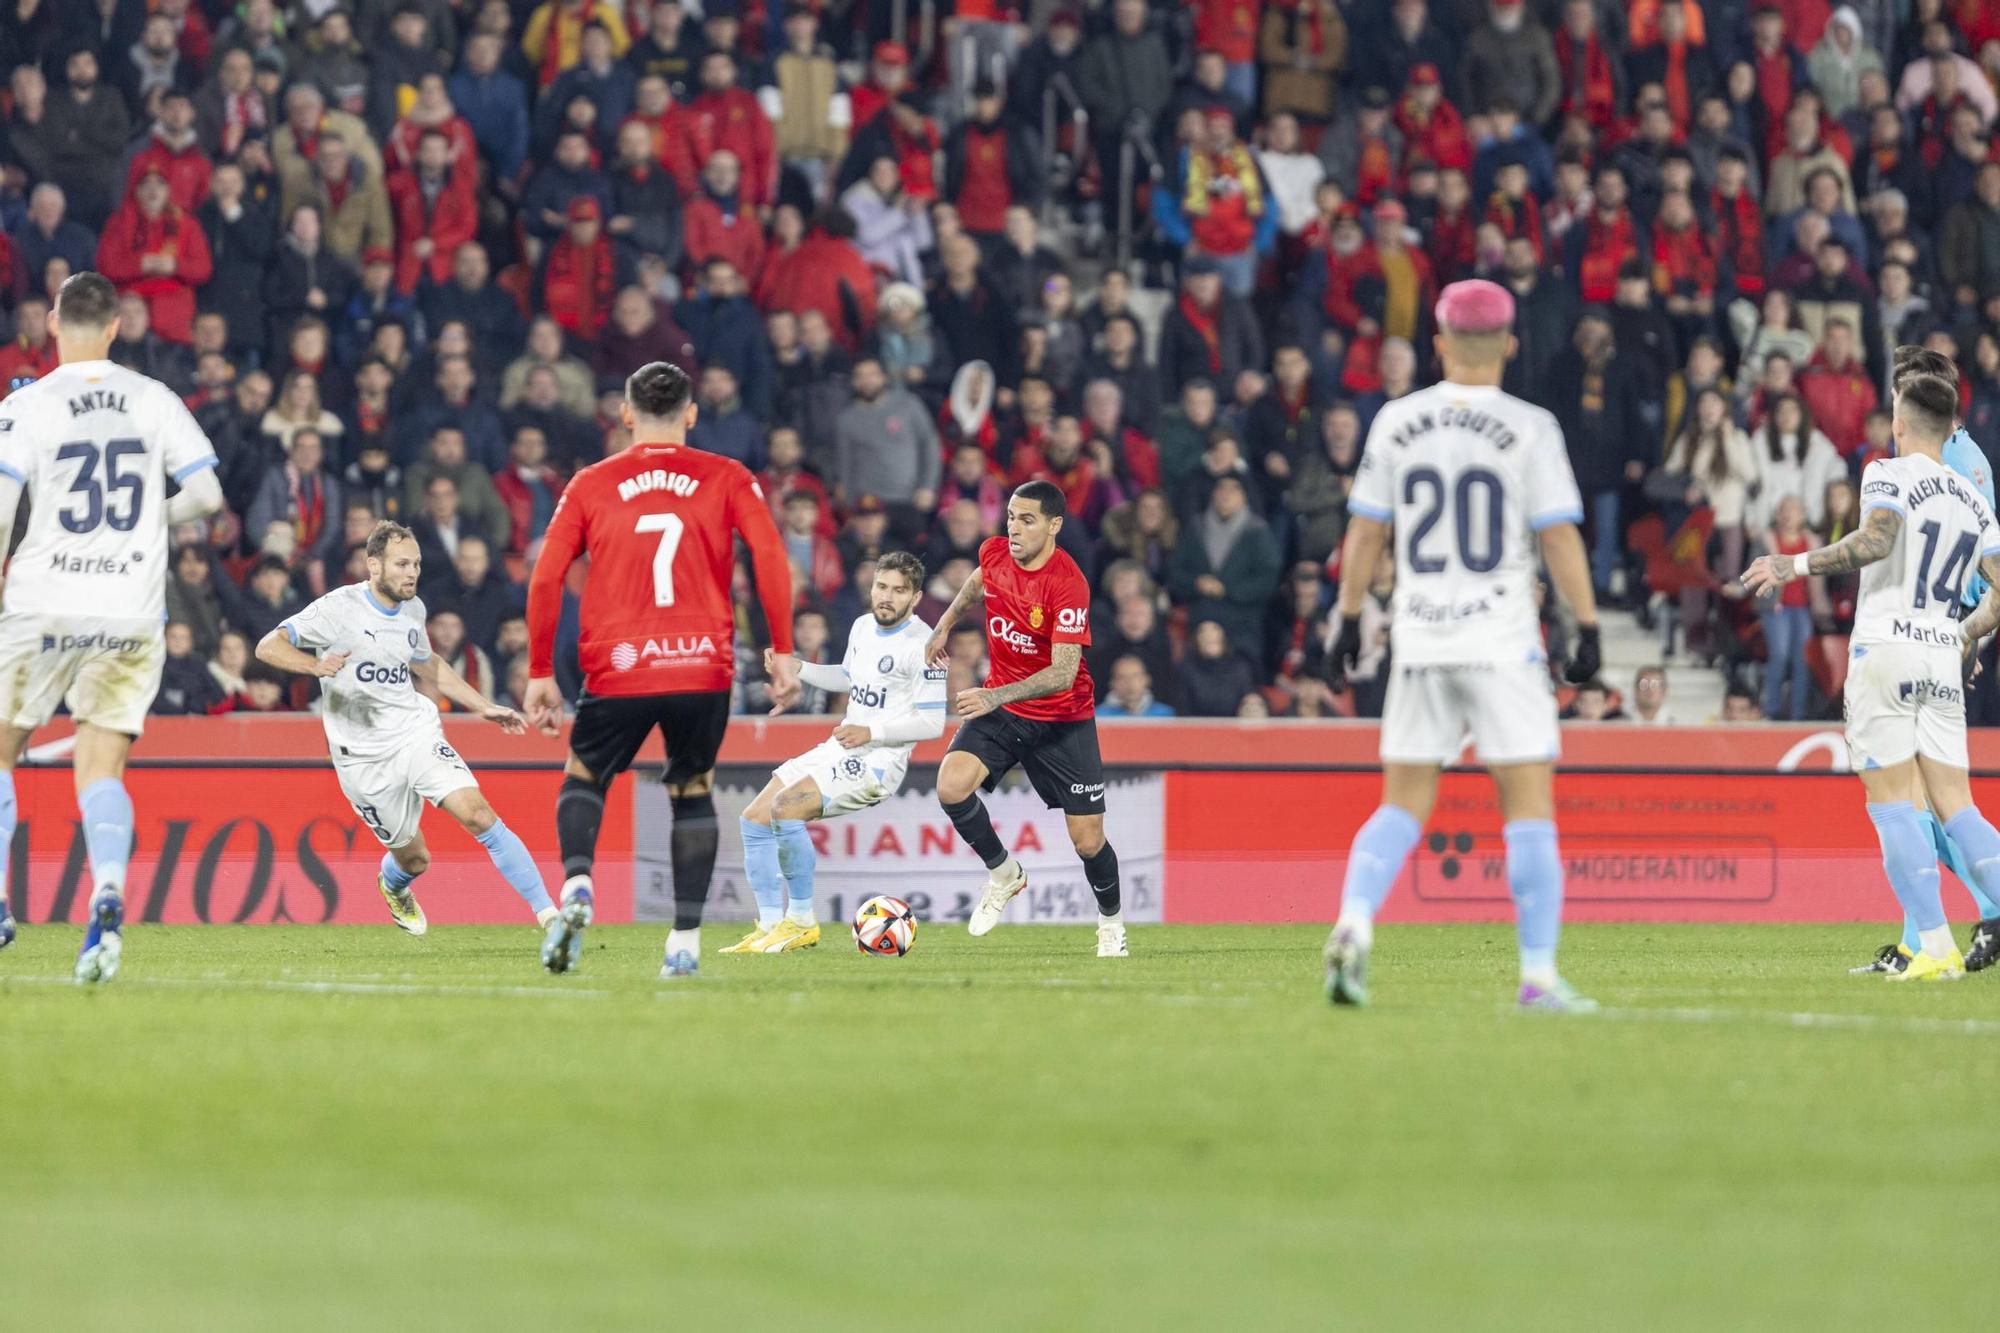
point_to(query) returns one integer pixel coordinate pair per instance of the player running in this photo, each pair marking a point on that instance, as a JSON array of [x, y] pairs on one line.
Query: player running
[[1472, 480], [1921, 531], [1962, 456], [93, 444], [1038, 708], [658, 641], [894, 700], [369, 646]]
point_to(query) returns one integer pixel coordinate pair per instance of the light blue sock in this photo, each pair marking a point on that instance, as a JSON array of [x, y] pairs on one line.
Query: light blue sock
[[394, 875], [107, 830], [9, 817], [512, 859], [1535, 878], [797, 859], [760, 863], [1972, 835], [1911, 861], [1376, 858], [1962, 865]]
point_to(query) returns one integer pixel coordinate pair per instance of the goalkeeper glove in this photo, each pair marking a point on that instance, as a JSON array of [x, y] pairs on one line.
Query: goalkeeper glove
[[1588, 657]]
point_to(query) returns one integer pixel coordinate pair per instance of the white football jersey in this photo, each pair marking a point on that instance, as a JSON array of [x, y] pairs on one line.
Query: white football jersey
[[1911, 595], [1468, 475], [371, 708], [889, 677], [93, 444]]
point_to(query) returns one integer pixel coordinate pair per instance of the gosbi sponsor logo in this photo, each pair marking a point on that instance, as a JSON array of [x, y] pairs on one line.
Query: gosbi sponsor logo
[[671, 651], [868, 696], [368, 673], [1007, 632]]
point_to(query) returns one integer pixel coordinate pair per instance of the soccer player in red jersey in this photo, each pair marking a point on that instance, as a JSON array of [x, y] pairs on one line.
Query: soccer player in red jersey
[[1037, 708], [658, 643]]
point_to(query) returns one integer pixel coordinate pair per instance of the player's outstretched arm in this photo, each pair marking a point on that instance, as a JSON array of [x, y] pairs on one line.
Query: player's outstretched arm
[[1569, 570], [832, 679], [1872, 541], [562, 543], [969, 592], [1064, 661], [277, 649], [437, 674]]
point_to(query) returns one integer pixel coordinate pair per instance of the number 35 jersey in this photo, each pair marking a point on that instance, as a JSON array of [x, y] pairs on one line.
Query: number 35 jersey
[[93, 444], [1912, 594], [1467, 475]]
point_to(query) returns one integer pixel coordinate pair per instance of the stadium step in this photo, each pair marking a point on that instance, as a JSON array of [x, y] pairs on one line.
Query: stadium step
[[1694, 693]]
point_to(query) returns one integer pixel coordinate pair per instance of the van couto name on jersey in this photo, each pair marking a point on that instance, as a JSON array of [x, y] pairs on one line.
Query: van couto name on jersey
[[1456, 418], [62, 563]]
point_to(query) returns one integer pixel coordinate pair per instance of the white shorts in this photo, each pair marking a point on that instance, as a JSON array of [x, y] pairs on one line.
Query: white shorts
[[389, 791], [1904, 699], [1509, 710], [848, 780], [107, 671]]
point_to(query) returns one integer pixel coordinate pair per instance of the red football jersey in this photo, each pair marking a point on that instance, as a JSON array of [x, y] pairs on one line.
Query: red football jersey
[[1028, 612], [659, 523]]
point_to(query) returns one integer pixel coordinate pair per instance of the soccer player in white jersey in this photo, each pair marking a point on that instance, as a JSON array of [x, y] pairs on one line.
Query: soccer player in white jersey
[[94, 445], [1923, 531], [369, 646], [1471, 480], [894, 700]]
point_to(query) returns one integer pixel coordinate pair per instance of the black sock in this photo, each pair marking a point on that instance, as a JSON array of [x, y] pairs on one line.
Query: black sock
[[693, 849], [579, 810], [974, 825], [1101, 869]]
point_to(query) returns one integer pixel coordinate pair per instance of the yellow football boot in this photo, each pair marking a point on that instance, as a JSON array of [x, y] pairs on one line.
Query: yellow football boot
[[788, 935], [751, 943], [1923, 967]]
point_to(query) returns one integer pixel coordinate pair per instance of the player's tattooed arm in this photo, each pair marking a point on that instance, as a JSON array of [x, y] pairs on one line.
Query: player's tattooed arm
[[1985, 618], [1870, 542], [1065, 659], [971, 591]]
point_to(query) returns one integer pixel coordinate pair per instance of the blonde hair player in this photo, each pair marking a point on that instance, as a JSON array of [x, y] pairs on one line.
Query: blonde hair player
[[1923, 530], [1471, 481]]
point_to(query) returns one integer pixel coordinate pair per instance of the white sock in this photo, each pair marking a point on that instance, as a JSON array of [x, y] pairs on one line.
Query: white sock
[[1006, 872], [1938, 943], [1115, 919], [1356, 918], [547, 914], [689, 940], [801, 916], [572, 883]]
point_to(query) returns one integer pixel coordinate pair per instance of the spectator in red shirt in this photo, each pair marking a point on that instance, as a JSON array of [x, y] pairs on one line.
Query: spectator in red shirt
[[728, 118], [1230, 28], [1780, 67], [1739, 227], [888, 76], [173, 149], [670, 128], [158, 251], [579, 273], [721, 221], [32, 353], [825, 273], [1431, 126], [1452, 226], [812, 552], [1837, 390], [432, 112], [990, 164], [1606, 239], [1592, 77], [433, 216]]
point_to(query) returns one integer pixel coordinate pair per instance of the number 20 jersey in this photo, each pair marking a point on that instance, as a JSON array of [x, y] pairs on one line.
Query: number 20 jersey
[[93, 444], [1467, 475], [1912, 594]]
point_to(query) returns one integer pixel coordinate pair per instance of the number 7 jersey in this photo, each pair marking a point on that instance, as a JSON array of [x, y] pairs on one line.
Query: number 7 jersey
[[1912, 594], [93, 445], [1467, 474], [659, 523]]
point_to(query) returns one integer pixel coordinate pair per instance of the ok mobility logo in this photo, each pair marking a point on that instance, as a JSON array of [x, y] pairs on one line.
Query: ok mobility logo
[[1467, 865]]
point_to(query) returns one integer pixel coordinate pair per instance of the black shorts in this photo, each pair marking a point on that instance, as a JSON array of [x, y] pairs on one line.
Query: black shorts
[[610, 729], [1060, 758]]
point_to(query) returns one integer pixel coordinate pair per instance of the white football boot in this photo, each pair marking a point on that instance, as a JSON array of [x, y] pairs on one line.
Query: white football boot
[[993, 902]]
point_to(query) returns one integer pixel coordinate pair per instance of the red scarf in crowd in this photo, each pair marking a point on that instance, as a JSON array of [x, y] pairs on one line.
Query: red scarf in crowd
[[579, 285], [1589, 86], [1208, 324]]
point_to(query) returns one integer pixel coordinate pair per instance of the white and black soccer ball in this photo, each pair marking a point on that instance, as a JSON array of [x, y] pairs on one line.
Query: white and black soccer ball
[[885, 925]]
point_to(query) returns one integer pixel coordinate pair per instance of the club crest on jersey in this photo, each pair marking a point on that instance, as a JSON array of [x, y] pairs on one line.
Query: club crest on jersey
[[886, 665], [1035, 618], [626, 655]]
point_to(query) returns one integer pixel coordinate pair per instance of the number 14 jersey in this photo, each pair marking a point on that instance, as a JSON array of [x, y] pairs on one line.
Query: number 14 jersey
[[1467, 474], [659, 523], [1912, 594], [93, 444]]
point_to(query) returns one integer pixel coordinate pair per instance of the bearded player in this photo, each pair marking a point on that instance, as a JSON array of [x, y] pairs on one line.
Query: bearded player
[[659, 523], [1037, 708]]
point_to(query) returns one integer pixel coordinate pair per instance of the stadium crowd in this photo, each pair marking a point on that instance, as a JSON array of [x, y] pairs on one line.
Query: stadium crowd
[[400, 254]]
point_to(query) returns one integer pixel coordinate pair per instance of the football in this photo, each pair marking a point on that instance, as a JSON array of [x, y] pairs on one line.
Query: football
[[885, 925]]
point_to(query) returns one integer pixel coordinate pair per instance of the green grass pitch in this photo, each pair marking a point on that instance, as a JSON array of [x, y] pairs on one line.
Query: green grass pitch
[[339, 1128]]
